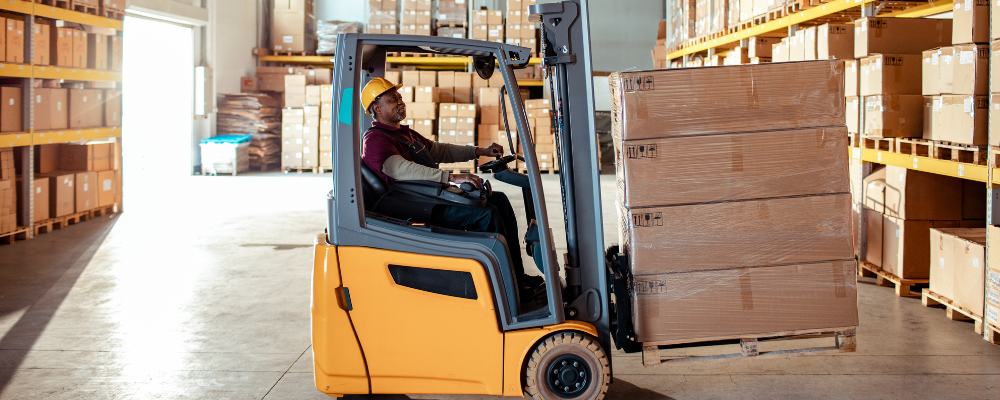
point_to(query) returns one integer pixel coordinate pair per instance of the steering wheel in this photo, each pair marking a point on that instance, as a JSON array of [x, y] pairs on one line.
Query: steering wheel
[[499, 164]]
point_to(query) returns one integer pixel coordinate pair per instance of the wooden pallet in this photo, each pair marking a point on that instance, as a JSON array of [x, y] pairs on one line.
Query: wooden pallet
[[914, 146], [55, 3], [878, 143], [289, 53], [103, 211], [757, 345], [959, 152], [300, 170], [953, 311], [995, 155], [112, 13], [883, 278], [47, 226], [854, 139], [15, 235], [992, 334], [76, 218], [86, 9]]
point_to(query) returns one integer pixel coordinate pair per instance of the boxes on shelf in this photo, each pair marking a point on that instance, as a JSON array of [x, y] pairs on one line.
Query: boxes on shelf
[[112, 107], [992, 310], [40, 199], [86, 108], [958, 256], [887, 35], [293, 26], [294, 93], [51, 108], [10, 109], [487, 25], [760, 46], [98, 156], [451, 13], [892, 74], [971, 22], [893, 115], [61, 46], [970, 70], [959, 119], [8, 191], [41, 39], [834, 41], [14, 38], [97, 51], [86, 191]]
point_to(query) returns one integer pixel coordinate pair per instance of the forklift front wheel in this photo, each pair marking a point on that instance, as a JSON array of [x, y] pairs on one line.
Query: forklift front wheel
[[567, 365]]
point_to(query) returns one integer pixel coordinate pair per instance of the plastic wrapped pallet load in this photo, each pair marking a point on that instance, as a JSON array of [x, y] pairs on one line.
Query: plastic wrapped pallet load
[[734, 200]]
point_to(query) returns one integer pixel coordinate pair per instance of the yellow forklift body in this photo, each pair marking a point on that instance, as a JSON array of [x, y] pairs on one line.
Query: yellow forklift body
[[413, 341]]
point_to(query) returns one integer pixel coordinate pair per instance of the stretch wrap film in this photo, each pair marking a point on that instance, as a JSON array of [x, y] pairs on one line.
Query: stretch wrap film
[[734, 200]]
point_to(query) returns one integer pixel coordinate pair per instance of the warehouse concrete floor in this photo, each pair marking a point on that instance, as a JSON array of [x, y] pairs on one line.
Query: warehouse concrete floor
[[202, 292]]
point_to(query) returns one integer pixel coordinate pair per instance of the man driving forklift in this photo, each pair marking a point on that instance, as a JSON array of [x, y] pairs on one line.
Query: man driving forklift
[[397, 153]]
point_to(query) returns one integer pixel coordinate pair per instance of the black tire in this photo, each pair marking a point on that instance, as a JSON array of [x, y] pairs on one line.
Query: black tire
[[567, 365]]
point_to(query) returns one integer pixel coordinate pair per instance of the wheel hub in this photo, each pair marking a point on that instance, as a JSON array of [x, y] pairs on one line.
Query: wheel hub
[[568, 375]]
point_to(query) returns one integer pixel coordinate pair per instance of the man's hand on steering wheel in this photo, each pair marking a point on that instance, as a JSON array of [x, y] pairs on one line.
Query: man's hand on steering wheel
[[494, 150], [459, 179]]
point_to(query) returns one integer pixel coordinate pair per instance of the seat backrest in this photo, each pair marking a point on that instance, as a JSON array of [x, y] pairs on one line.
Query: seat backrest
[[372, 186]]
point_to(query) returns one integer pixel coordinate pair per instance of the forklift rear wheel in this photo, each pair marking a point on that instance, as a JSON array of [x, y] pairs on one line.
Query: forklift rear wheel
[[567, 365]]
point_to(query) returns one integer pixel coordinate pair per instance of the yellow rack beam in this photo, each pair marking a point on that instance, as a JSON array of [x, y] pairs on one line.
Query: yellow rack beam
[[75, 74], [918, 163], [808, 14], [310, 60], [449, 61], [15, 70], [41, 10], [76, 135], [923, 10], [15, 139]]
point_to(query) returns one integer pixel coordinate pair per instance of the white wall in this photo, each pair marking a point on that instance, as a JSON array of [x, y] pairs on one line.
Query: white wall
[[234, 35]]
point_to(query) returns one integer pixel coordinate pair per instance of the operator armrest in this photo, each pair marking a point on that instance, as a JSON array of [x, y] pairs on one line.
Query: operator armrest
[[436, 190]]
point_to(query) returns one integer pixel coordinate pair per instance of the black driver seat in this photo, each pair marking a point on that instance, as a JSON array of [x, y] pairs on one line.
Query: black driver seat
[[410, 200]]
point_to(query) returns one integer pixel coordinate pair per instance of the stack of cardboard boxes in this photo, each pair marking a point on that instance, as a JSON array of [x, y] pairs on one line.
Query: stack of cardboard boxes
[[421, 95], [12, 38], [300, 124], [416, 18], [901, 206], [8, 192], [735, 220], [457, 125], [74, 178], [293, 26], [382, 17], [823, 42], [452, 18], [487, 25], [325, 127], [955, 80], [958, 256], [992, 309], [518, 29]]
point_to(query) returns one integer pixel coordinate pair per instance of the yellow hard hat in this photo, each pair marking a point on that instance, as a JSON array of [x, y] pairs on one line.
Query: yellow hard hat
[[375, 88]]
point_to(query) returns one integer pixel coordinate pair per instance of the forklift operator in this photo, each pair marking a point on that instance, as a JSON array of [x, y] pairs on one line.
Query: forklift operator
[[397, 153]]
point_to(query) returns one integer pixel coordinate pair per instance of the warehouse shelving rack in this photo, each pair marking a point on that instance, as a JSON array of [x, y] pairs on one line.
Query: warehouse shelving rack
[[28, 73], [845, 11], [446, 63]]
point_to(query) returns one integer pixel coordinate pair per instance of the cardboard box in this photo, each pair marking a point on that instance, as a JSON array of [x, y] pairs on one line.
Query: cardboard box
[[874, 191], [784, 96], [960, 119], [428, 78], [995, 64], [107, 187], [893, 115], [97, 51], [659, 172], [992, 311], [62, 193], [930, 72], [14, 41], [112, 108], [730, 303], [852, 78], [873, 237], [835, 42], [293, 26], [51, 108], [86, 191], [80, 49], [737, 234], [970, 22], [916, 195], [906, 246], [941, 272], [10, 109], [970, 73], [312, 95], [419, 110], [41, 38], [86, 108], [411, 78], [425, 94], [946, 69], [890, 74], [40, 199], [957, 262], [61, 47], [852, 114], [295, 91], [886, 35]]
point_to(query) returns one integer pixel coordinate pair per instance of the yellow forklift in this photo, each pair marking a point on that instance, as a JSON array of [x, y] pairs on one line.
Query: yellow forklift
[[399, 306]]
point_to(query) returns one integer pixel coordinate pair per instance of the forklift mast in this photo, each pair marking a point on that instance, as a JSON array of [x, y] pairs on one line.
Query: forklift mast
[[565, 52]]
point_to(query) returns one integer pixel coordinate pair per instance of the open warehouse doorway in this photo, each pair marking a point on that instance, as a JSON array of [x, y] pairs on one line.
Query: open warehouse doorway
[[158, 88]]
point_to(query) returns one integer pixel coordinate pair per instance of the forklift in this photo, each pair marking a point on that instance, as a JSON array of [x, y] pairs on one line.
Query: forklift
[[401, 306]]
